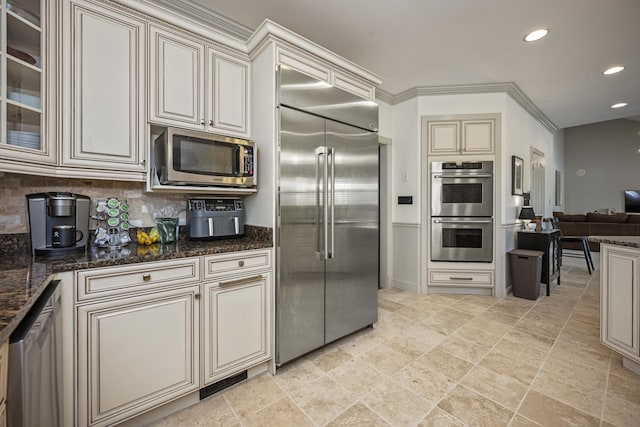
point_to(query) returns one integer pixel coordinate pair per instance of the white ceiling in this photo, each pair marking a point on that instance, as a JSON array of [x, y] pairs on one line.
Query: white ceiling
[[421, 43]]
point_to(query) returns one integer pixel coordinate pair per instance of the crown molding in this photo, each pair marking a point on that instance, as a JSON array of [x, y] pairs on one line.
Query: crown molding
[[269, 29], [509, 88], [206, 16]]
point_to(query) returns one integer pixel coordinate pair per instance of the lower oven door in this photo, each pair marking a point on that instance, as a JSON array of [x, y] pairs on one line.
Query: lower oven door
[[463, 239]]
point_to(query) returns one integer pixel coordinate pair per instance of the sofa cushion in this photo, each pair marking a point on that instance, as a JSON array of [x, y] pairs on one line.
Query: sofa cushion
[[570, 218], [602, 229], [579, 229], [629, 229], [633, 219], [614, 218]]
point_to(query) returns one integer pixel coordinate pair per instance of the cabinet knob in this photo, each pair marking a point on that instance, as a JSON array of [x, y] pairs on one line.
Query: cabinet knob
[[197, 296], [240, 263], [202, 122], [146, 277], [210, 122]]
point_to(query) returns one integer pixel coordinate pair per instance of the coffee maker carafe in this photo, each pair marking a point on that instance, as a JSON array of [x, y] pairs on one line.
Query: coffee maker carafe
[[58, 222]]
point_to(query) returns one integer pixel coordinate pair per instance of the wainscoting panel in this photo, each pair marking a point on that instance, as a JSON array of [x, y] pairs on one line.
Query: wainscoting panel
[[406, 256]]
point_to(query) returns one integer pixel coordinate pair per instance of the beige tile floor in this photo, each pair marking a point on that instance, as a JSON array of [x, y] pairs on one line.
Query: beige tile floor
[[443, 360]]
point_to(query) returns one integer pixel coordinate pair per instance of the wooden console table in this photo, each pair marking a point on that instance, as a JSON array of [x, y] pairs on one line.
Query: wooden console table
[[547, 241]]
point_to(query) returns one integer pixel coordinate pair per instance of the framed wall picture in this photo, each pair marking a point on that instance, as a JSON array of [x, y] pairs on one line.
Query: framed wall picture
[[558, 188], [517, 172]]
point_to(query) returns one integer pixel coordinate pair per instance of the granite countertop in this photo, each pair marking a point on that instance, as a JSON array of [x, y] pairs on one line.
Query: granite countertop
[[24, 277], [630, 241]]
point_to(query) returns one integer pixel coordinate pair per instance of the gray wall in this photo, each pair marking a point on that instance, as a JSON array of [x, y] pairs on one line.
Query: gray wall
[[607, 156]]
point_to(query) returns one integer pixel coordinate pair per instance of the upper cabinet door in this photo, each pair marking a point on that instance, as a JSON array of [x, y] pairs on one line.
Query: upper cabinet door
[[24, 61], [176, 88], [105, 94], [478, 136], [443, 137], [228, 109]]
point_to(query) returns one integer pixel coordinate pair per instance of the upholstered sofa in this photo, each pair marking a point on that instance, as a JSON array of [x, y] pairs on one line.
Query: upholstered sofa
[[596, 224]]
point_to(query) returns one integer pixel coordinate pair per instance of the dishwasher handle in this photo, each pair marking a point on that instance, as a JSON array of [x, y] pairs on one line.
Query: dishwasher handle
[[32, 315]]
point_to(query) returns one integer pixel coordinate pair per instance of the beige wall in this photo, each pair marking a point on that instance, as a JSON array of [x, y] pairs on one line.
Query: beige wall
[[14, 187]]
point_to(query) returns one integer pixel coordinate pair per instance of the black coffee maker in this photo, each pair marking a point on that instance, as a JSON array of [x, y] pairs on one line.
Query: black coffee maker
[[58, 222]]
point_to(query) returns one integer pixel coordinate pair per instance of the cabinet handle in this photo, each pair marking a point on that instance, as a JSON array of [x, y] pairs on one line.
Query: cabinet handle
[[239, 282], [460, 278], [146, 277], [197, 296], [240, 263]]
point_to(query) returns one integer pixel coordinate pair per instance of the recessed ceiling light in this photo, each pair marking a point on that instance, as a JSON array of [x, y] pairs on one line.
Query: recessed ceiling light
[[619, 105], [536, 35], [613, 70]]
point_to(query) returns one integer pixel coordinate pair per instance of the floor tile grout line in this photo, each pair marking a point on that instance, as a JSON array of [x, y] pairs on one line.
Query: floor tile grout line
[[390, 377], [474, 365], [549, 355]]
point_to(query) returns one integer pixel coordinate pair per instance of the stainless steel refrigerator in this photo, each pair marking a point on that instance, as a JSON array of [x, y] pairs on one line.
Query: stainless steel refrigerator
[[327, 215]]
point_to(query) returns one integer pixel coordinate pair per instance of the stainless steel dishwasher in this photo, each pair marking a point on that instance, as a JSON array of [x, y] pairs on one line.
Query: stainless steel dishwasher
[[34, 389]]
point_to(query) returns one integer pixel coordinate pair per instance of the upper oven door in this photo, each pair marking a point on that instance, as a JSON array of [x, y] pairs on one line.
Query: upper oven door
[[462, 194]]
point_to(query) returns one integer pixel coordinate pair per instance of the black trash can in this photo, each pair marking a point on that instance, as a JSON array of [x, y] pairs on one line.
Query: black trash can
[[526, 271]]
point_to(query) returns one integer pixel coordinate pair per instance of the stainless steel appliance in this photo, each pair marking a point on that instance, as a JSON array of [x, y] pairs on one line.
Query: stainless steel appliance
[[49, 214], [462, 188], [215, 218], [34, 386], [462, 211], [464, 239], [327, 215], [184, 157]]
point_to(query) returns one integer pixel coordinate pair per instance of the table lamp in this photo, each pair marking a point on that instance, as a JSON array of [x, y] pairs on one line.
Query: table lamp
[[527, 214]]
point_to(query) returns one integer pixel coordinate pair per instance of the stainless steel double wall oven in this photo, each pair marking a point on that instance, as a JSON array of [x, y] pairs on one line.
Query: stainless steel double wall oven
[[462, 211]]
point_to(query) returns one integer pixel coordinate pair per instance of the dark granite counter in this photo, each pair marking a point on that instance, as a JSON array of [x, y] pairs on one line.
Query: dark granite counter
[[629, 241], [23, 277]]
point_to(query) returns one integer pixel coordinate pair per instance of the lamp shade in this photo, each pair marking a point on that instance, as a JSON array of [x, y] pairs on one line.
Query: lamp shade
[[527, 213]]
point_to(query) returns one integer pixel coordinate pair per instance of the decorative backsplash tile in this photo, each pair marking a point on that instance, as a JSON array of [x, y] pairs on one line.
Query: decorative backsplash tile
[[14, 188]]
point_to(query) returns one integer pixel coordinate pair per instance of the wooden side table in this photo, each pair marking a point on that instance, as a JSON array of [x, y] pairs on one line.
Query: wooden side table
[[547, 241]]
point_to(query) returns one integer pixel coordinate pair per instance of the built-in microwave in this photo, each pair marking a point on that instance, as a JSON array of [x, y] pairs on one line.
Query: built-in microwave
[[184, 157]]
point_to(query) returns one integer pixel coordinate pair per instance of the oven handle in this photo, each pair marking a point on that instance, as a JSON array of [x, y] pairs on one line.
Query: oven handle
[[463, 176], [451, 221]]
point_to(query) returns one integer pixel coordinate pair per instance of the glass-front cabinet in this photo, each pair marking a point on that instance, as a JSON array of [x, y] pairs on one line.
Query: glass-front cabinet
[[22, 100]]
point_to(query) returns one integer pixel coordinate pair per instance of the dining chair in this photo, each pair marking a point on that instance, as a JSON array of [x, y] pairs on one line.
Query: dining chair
[[577, 239]]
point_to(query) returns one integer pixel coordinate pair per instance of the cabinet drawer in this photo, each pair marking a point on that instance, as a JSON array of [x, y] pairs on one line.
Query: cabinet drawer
[[103, 282], [458, 278], [236, 262]]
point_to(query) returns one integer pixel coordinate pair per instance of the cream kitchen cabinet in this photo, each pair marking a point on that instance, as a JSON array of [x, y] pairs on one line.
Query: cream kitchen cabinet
[[24, 54], [103, 91], [237, 315], [453, 135], [194, 85], [138, 338], [461, 278], [315, 67], [620, 302]]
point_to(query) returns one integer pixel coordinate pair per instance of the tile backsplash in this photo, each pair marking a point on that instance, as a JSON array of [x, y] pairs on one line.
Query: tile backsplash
[[143, 206]]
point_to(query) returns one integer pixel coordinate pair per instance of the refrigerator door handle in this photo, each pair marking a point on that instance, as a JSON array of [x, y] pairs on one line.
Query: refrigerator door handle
[[332, 154], [320, 183]]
